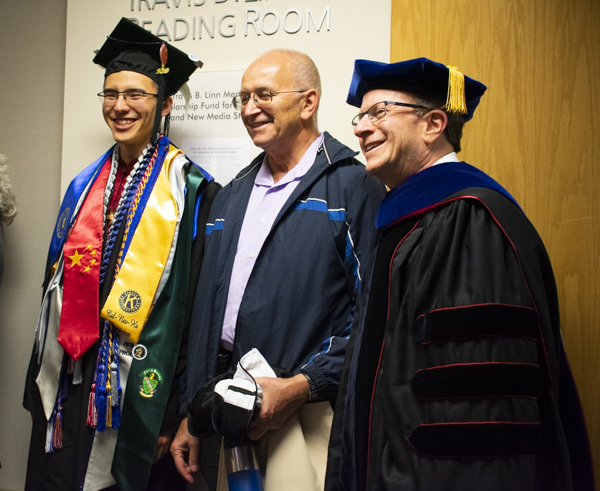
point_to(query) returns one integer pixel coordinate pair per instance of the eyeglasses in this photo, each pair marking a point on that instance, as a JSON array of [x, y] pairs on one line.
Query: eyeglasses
[[261, 98], [131, 96], [378, 111]]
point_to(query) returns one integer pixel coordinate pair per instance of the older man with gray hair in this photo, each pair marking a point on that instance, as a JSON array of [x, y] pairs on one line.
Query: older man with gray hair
[[286, 244]]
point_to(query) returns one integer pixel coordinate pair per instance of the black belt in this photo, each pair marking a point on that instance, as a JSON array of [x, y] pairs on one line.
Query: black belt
[[224, 359]]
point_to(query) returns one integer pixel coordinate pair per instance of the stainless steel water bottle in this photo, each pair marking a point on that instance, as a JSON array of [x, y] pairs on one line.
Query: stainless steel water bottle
[[243, 473]]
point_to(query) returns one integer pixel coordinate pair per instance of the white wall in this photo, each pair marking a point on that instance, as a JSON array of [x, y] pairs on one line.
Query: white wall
[[32, 55]]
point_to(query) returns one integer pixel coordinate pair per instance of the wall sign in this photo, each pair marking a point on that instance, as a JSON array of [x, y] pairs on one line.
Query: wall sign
[[227, 35]]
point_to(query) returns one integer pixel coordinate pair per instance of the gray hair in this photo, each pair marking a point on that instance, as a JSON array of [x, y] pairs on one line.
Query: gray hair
[[303, 67], [8, 209]]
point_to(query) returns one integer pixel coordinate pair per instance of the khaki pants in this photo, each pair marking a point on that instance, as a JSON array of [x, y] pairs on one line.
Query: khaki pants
[[294, 457]]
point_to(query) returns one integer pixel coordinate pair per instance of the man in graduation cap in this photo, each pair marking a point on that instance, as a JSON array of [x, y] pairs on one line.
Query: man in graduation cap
[[102, 385], [456, 376]]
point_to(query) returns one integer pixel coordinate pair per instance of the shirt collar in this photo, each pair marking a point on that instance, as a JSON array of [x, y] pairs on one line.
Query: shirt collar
[[265, 178], [451, 157]]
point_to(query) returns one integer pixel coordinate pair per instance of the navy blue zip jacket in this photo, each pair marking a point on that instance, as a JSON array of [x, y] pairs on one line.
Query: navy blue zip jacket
[[299, 301]]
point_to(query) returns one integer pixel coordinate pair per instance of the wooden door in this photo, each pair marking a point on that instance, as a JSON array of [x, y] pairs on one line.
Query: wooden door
[[537, 131]]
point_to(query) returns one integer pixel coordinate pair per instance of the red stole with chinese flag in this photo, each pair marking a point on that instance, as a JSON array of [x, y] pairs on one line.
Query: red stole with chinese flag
[[82, 255]]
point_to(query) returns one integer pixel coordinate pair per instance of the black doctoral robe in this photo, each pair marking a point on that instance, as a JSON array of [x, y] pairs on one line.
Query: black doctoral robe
[[456, 377]]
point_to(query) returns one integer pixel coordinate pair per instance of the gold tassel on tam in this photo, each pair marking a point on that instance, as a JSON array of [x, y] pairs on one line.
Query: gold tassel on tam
[[455, 100]]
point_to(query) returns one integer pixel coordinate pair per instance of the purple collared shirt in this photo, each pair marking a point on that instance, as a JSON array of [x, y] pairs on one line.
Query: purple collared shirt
[[265, 202]]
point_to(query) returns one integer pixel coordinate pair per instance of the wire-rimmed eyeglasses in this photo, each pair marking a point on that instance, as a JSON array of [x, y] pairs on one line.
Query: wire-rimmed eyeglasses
[[261, 98], [378, 111], [131, 96]]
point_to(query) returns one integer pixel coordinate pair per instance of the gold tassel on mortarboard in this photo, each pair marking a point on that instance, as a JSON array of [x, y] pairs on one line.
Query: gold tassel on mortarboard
[[455, 100]]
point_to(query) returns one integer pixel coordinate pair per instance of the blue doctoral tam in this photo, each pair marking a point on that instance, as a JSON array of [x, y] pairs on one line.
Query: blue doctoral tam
[[421, 77]]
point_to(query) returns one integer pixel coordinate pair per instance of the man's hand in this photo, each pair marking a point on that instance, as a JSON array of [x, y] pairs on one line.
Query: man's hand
[[162, 447], [281, 398], [185, 450]]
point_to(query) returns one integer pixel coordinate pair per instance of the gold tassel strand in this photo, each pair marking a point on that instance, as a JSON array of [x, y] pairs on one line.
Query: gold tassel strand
[[455, 100]]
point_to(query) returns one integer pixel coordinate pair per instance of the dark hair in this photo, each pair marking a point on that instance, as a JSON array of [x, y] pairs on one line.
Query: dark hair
[[456, 122]]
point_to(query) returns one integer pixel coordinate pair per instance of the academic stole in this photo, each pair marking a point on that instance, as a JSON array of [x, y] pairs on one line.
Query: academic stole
[[50, 378], [142, 416], [82, 257], [150, 228]]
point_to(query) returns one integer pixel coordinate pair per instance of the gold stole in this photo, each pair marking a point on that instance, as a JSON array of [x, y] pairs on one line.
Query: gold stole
[[131, 298]]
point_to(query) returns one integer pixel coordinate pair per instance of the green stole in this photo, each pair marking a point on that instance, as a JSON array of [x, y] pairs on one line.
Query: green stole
[[149, 380]]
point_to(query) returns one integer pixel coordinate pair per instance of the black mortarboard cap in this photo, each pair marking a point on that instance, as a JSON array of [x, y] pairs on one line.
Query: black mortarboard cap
[[133, 48], [421, 77]]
